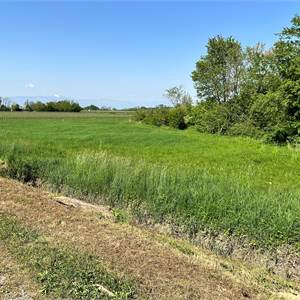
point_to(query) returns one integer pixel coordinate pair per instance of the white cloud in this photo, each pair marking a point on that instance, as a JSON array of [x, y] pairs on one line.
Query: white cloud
[[56, 96], [29, 85]]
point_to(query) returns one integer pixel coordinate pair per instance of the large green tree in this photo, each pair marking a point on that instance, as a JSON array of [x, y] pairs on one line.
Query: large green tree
[[219, 74], [287, 52]]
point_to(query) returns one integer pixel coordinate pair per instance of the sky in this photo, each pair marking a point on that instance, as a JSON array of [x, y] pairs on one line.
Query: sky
[[119, 53]]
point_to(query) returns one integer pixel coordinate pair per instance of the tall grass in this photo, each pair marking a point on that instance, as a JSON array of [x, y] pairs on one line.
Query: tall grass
[[191, 198]]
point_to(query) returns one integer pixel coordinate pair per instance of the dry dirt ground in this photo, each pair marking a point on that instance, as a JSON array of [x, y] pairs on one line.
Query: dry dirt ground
[[159, 270]]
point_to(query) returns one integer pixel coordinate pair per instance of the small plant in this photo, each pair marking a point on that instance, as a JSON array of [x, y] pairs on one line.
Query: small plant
[[121, 216]]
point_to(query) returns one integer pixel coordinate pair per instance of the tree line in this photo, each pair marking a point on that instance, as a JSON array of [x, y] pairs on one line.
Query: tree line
[[250, 91], [51, 106]]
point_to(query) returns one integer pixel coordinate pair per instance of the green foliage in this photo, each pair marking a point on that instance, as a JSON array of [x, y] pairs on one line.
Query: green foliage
[[140, 114], [178, 96], [36, 106], [287, 52], [58, 106], [241, 91], [121, 215], [3, 105], [15, 107], [268, 110], [4, 108], [91, 107], [173, 117], [176, 117], [218, 74], [284, 133], [245, 128], [156, 116], [211, 117], [255, 86], [60, 272]]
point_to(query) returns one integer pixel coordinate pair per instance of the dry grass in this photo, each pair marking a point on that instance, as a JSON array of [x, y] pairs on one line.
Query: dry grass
[[159, 270], [15, 283]]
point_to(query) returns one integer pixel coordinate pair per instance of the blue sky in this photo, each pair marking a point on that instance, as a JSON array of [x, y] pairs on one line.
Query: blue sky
[[121, 53]]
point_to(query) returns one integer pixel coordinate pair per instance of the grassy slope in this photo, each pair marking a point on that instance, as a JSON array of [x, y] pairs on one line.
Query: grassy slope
[[227, 184], [63, 249], [59, 271]]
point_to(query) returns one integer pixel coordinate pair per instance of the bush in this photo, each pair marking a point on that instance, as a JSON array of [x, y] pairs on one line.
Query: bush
[[173, 117], [140, 115], [268, 110], [289, 133], [211, 117], [157, 116], [176, 118], [245, 129]]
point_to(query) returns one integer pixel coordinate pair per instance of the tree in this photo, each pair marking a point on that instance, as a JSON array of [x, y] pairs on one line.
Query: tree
[[3, 107], [15, 107], [219, 74], [178, 96], [91, 107], [27, 106], [4, 104], [260, 77], [287, 52]]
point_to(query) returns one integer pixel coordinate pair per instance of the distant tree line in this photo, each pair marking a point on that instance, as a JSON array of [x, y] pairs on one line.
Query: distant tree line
[[249, 91], [51, 106], [93, 107], [54, 106]]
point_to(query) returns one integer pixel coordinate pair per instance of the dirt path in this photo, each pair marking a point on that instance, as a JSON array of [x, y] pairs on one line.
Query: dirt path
[[159, 271]]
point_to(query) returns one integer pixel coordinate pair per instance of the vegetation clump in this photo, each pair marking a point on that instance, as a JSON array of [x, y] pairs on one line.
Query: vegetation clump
[[58, 106], [251, 92]]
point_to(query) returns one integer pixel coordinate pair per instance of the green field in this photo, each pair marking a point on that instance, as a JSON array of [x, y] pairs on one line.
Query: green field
[[197, 182]]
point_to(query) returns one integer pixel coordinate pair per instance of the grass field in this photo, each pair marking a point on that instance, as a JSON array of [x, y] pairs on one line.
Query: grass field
[[229, 185]]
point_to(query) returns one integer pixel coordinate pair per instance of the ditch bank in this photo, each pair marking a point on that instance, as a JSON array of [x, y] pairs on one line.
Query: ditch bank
[[282, 259]]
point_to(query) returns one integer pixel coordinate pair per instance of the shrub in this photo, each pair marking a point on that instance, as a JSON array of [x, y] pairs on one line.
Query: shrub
[[154, 116], [245, 129], [283, 134], [211, 117], [173, 117], [176, 117], [157, 117], [140, 115], [268, 110]]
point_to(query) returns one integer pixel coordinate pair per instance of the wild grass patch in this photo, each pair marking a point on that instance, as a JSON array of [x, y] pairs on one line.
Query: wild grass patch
[[61, 272], [193, 199]]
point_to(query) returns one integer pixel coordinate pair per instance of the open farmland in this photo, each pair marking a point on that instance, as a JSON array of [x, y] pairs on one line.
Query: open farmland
[[200, 185], [235, 196]]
